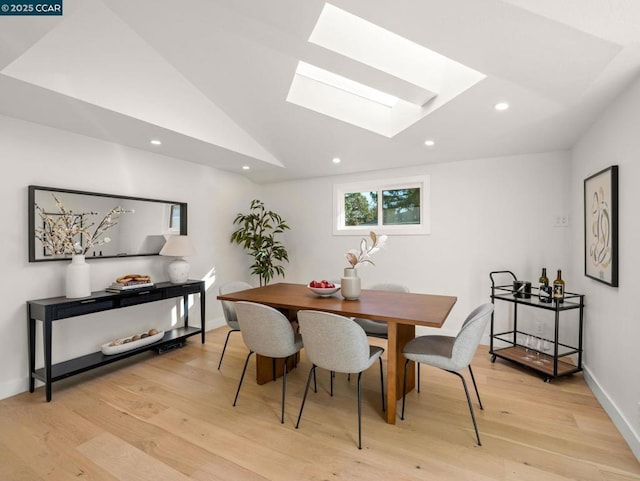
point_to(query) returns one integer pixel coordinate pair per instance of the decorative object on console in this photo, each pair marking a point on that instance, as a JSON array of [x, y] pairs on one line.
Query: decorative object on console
[[350, 284], [67, 233], [178, 246], [132, 342], [78, 278], [130, 281]]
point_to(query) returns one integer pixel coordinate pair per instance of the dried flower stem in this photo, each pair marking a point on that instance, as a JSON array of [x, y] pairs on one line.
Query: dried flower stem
[[63, 233], [362, 256]]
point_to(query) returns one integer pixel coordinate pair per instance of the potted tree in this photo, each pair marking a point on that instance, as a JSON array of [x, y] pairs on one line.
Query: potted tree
[[257, 232]]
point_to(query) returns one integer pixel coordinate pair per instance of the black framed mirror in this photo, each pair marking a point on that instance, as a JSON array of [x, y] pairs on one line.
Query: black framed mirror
[[140, 231]]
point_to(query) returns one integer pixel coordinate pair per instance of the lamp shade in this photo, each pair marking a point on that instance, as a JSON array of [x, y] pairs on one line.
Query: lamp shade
[[178, 246]]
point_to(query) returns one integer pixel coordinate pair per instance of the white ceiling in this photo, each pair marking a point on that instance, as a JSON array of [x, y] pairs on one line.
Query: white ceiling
[[210, 78]]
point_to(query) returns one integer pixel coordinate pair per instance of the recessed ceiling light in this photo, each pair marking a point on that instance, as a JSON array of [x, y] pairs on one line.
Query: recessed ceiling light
[[156, 142], [245, 167], [336, 160], [429, 143], [500, 106]]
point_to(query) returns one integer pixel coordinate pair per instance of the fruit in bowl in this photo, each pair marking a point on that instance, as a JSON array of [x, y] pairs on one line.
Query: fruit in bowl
[[323, 288]]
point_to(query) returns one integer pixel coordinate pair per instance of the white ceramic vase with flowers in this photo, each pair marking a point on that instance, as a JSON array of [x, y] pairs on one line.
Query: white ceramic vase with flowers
[[69, 233], [350, 286]]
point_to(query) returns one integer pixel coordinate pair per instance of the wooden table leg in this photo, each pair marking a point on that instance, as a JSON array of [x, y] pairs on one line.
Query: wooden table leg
[[398, 336], [264, 365]]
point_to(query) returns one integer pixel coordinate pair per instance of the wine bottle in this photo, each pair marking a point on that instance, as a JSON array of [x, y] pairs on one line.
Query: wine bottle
[[544, 291], [558, 288]]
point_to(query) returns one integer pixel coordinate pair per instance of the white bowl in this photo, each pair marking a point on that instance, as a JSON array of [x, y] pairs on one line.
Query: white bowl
[[324, 292], [108, 350]]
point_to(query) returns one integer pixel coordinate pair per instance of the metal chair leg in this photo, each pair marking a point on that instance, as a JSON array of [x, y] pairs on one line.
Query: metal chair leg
[[359, 413], [404, 387], [382, 384], [331, 382], [306, 390], [284, 388], [418, 376], [242, 376], [473, 417], [315, 382], [475, 386], [225, 346]]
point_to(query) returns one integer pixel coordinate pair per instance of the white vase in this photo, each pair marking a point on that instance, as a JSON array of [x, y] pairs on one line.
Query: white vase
[[350, 284], [78, 280]]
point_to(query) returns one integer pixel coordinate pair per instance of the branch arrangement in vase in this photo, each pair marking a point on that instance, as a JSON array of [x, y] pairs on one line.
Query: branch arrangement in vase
[[65, 233], [363, 255]]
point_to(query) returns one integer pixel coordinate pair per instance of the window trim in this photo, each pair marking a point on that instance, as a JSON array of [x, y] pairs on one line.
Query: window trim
[[419, 181]]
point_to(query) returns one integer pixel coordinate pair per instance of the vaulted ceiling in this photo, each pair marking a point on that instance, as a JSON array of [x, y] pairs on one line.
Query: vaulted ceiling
[[214, 80]]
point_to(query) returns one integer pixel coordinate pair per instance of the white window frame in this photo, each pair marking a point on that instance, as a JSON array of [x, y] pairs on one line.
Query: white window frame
[[421, 181]]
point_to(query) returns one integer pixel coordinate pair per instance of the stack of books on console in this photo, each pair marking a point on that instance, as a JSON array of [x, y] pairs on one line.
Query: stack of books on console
[[130, 282]]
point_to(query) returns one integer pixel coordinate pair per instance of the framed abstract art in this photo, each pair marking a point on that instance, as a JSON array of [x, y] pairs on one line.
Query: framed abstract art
[[601, 226]]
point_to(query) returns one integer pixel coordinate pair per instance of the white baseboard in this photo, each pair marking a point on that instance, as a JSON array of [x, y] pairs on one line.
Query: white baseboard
[[13, 387], [630, 436]]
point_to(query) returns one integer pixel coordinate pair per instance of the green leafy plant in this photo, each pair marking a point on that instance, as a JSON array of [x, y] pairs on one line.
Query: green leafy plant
[[256, 233]]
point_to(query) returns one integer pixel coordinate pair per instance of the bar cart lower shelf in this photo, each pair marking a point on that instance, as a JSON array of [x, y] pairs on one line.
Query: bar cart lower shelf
[[563, 358], [519, 354]]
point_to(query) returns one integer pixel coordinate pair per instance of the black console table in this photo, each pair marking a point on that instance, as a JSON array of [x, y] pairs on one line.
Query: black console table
[[56, 308]]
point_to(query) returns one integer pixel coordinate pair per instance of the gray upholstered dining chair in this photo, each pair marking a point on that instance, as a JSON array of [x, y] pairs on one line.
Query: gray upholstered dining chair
[[452, 354], [266, 331], [229, 311], [375, 328], [337, 344]]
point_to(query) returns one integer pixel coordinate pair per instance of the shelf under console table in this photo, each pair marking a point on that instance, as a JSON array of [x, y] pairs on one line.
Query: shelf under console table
[[56, 308]]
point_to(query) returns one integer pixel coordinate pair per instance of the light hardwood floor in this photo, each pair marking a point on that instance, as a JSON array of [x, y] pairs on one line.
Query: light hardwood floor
[[169, 417]]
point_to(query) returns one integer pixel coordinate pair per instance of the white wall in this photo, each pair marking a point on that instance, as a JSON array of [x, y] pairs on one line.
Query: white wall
[[612, 355], [33, 154], [486, 215]]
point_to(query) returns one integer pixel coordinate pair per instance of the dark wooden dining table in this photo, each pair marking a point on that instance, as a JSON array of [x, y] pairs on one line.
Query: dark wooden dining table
[[401, 311]]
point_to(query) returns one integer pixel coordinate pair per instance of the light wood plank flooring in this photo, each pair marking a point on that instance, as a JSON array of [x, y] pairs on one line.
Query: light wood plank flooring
[[170, 417]]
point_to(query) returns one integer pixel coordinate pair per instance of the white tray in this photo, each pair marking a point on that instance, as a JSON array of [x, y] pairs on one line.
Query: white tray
[[108, 350]]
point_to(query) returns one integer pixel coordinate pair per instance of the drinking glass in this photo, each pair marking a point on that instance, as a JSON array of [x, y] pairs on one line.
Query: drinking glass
[[545, 346], [537, 345], [529, 343]]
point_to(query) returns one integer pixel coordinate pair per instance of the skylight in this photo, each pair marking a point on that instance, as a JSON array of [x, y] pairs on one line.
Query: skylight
[[392, 82], [337, 81], [366, 42]]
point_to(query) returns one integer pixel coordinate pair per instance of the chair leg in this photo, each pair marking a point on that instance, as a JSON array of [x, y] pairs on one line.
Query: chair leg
[[475, 386], [359, 413], [306, 390], [418, 376], [473, 417], [315, 382], [382, 384], [273, 367], [225, 346], [242, 376], [404, 387], [284, 388], [331, 382]]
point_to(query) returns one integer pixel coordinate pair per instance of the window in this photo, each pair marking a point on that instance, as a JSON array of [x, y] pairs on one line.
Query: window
[[399, 206]]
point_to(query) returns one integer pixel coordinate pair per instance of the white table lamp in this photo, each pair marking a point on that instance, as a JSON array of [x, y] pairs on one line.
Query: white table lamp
[[178, 246]]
